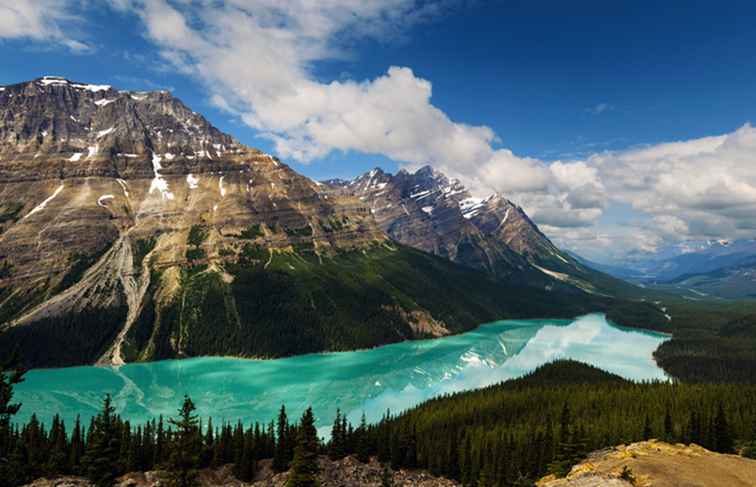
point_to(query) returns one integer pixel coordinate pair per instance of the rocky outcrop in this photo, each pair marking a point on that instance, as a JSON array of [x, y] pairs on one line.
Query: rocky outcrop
[[346, 472], [658, 464], [132, 229], [102, 190], [431, 212]]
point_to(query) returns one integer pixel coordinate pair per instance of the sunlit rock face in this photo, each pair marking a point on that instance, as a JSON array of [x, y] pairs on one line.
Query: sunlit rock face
[[100, 190], [429, 211]]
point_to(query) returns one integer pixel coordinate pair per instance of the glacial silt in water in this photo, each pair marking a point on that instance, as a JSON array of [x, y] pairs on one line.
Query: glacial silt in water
[[394, 377]]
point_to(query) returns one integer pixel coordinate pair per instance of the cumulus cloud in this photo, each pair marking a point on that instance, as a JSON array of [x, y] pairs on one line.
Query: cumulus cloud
[[40, 20], [694, 189], [256, 58]]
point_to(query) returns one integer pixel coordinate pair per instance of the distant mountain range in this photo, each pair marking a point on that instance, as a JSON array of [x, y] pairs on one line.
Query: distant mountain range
[[132, 229], [428, 211], [718, 268]]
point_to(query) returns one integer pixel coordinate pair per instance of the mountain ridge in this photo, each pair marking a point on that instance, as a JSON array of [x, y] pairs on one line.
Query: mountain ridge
[[132, 229]]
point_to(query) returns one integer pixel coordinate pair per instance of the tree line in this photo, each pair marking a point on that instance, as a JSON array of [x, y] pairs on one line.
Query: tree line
[[509, 434]]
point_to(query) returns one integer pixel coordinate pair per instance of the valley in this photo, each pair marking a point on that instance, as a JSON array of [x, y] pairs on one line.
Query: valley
[[134, 230]]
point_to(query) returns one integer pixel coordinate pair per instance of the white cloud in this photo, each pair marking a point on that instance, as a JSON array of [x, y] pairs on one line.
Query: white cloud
[[600, 108], [40, 20], [256, 58]]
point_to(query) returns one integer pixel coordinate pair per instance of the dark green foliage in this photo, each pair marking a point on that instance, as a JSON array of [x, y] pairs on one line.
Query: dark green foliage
[[142, 247], [252, 254], [284, 443], [515, 432], [77, 266], [338, 447], [5, 269], [197, 235], [362, 441], [305, 231], [283, 304], [714, 341], [627, 475], [509, 434], [185, 447], [723, 441], [100, 462], [304, 466], [75, 338], [386, 478], [196, 254], [9, 211], [252, 232], [9, 475]]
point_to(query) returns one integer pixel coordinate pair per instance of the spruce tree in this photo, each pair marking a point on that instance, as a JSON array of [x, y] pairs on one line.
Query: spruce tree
[[281, 458], [304, 467], [647, 433], [186, 447], [247, 467], [101, 457], [363, 445], [76, 450], [722, 436], [336, 450], [668, 428], [159, 452], [8, 467]]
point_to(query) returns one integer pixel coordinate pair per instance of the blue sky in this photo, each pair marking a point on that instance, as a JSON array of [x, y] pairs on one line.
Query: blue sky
[[598, 87]]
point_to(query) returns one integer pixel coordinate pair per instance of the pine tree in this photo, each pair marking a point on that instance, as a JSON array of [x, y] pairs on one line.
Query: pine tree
[[281, 458], [246, 468], [363, 445], [387, 480], [186, 446], [9, 468], [159, 453], [76, 450], [668, 429], [58, 442], [722, 435], [101, 457], [694, 428], [304, 467], [647, 433], [337, 447]]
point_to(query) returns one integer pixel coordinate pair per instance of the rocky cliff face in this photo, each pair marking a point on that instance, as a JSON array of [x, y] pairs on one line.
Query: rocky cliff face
[[101, 189], [431, 212], [132, 229]]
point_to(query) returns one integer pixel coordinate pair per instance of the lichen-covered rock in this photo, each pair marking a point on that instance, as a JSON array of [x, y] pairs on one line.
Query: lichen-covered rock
[[347, 472], [658, 464]]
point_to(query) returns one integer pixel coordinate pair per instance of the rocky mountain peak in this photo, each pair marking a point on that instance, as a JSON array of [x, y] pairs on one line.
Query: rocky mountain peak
[[52, 126], [430, 211]]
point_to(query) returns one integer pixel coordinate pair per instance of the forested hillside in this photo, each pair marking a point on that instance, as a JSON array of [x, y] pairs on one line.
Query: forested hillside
[[505, 435]]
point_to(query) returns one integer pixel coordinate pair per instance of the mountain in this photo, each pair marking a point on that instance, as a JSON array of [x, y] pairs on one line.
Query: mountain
[[132, 229], [730, 282], [690, 257], [428, 211]]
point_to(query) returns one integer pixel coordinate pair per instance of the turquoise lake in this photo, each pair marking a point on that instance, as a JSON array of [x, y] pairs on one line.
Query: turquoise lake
[[394, 377]]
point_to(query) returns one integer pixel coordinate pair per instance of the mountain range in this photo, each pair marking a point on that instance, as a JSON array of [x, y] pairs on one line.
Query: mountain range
[[694, 269], [132, 229]]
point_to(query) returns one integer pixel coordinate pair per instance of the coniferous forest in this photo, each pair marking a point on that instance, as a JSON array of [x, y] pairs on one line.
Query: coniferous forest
[[504, 435]]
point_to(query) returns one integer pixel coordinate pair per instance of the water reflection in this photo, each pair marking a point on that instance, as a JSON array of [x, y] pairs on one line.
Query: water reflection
[[393, 377]]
